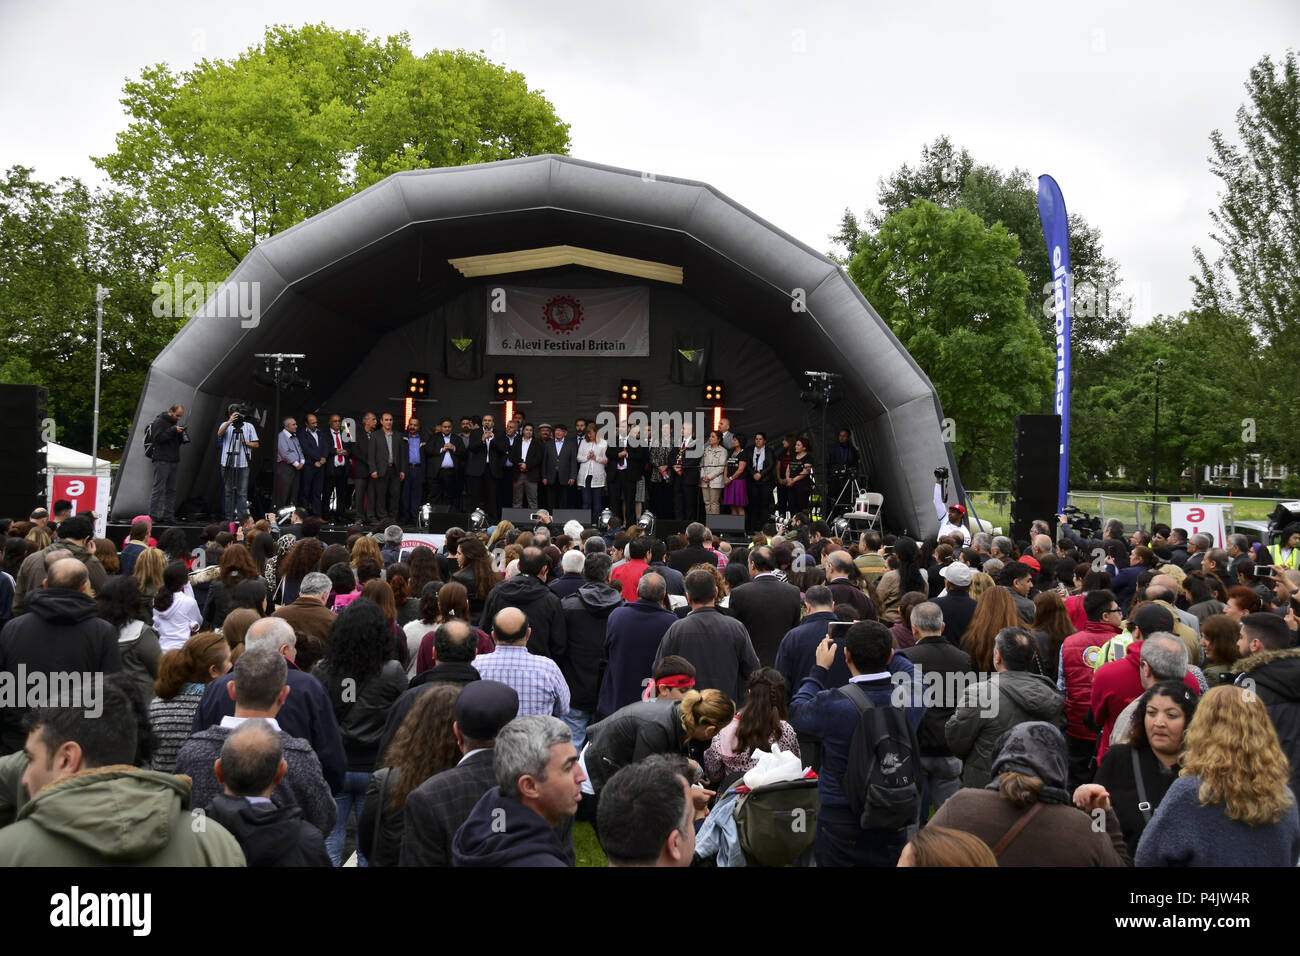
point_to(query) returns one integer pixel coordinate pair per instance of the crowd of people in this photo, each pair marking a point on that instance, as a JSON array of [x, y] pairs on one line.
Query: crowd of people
[[939, 702], [382, 474]]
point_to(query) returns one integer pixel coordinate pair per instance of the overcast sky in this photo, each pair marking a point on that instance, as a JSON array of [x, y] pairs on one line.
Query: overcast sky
[[793, 110]]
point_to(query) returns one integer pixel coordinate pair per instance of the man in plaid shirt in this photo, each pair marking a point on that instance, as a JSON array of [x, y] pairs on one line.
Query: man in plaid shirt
[[536, 679]]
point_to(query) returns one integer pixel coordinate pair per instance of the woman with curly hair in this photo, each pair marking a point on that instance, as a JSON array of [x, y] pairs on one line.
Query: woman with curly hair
[[398, 576], [425, 744], [423, 565], [236, 565], [1231, 806], [301, 561], [476, 574], [365, 547], [993, 611], [362, 682], [106, 552]]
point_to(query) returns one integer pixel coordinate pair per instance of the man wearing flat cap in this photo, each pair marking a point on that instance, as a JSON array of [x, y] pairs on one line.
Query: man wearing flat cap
[[438, 807]]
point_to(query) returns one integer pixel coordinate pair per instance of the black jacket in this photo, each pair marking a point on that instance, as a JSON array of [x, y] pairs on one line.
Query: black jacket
[[451, 672], [845, 593], [683, 559], [62, 632], [540, 605], [958, 608], [717, 645], [361, 721], [631, 734], [437, 808], [768, 608], [1116, 775], [485, 457], [503, 832], [568, 583], [934, 655], [379, 829], [270, 836], [166, 439], [585, 616]]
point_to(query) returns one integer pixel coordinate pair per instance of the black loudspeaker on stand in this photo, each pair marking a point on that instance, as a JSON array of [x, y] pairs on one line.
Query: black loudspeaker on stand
[[22, 464], [1036, 456]]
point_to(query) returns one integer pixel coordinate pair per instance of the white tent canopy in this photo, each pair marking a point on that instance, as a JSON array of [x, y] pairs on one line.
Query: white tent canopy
[[60, 459]]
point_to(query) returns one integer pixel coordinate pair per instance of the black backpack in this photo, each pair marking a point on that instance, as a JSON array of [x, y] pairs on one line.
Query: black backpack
[[882, 779], [148, 440]]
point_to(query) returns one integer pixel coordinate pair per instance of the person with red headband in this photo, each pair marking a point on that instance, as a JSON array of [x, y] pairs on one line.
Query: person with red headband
[[673, 677]]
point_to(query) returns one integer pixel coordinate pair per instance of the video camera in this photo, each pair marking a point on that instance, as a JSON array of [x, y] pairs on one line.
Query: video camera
[[941, 473], [1084, 524], [241, 412]]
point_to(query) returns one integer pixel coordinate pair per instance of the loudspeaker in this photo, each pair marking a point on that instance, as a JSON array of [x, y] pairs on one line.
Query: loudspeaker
[[439, 522], [726, 524], [23, 463], [562, 516], [1036, 456]]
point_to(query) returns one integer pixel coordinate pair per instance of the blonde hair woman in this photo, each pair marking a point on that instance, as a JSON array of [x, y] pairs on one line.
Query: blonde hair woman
[[1231, 806]]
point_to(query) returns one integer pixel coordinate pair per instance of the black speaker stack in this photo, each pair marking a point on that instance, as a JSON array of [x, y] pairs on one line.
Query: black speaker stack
[[22, 450], [1036, 456]]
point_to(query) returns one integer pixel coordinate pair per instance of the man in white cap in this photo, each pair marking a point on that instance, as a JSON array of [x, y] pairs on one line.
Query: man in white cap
[[956, 603]]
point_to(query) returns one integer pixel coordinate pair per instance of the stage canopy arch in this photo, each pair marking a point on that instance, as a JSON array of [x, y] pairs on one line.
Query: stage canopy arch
[[400, 278]]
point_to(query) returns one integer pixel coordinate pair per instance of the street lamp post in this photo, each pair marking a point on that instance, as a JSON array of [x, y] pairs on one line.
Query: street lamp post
[[100, 295], [1155, 442]]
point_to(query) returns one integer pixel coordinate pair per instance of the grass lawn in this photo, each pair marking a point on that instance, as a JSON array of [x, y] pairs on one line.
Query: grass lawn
[[994, 510], [586, 847]]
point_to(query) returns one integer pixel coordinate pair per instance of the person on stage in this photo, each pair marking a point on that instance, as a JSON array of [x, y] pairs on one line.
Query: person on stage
[[844, 468], [238, 440], [560, 469], [390, 468], [663, 455], [445, 465], [713, 472], [311, 480], [686, 483], [413, 452], [365, 470], [289, 462], [483, 468], [735, 491], [592, 459], [799, 476], [338, 468], [528, 468], [166, 435]]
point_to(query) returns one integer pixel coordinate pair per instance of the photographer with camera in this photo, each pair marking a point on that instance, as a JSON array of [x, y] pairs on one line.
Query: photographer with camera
[[843, 469], [163, 443], [953, 517], [237, 438]]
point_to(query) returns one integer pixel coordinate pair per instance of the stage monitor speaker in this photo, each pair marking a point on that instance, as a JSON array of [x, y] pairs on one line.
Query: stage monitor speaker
[[1036, 456], [726, 524], [439, 522], [23, 464], [665, 527], [520, 517], [562, 516]]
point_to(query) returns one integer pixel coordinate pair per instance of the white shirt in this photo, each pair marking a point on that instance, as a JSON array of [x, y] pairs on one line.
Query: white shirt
[[523, 453], [336, 442], [230, 723]]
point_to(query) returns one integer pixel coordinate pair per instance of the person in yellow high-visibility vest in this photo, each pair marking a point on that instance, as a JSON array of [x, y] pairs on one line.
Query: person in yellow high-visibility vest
[[1286, 553]]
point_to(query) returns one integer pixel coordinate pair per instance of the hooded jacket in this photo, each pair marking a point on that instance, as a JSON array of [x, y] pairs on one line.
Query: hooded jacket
[[32, 572], [519, 838], [270, 836], [1276, 677], [540, 605], [63, 632], [1015, 697], [585, 615], [115, 816]]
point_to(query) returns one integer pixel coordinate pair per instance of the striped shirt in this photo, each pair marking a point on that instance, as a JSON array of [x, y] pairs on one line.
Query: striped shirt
[[171, 721], [536, 679]]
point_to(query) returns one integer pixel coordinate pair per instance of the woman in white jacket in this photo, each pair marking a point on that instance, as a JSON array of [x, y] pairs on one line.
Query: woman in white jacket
[[591, 470], [176, 616]]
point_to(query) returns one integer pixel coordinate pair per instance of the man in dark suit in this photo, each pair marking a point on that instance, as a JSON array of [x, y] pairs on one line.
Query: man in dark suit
[[559, 470], [686, 477], [767, 606], [365, 474], [467, 426], [413, 458], [389, 469], [338, 468], [760, 473], [445, 462], [315, 453], [510, 442], [527, 451], [483, 468], [439, 807], [683, 559], [627, 463]]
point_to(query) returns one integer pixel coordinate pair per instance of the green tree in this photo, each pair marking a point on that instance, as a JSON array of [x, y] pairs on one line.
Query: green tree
[[58, 242], [950, 289], [232, 152], [951, 178]]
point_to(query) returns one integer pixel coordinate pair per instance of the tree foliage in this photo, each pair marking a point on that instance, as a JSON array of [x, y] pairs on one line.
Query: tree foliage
[[950, 289], [234, 151]]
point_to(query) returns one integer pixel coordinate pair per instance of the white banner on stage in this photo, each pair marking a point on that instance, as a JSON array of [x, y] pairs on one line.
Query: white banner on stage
[[577, 322]]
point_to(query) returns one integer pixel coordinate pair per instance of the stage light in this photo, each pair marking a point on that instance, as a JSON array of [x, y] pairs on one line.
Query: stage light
[[647, 523], [284, 516], [713, 392], [417, 384], [425, 511], [840, 526], [605, 521], [629, 391], [478, 520], [505, 385]]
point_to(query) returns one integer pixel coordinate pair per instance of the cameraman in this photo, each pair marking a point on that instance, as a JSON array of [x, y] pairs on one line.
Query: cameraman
[[166, 435], [844, 468], [951, 518], [237, 438]]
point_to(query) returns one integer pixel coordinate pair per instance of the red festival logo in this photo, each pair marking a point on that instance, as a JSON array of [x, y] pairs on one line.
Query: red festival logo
[[563, 313]]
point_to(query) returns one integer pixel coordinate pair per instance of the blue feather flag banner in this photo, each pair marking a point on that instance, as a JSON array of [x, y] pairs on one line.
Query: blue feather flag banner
[[1056, 230]]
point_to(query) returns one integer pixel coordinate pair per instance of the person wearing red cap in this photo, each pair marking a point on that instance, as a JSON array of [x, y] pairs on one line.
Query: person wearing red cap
[[951, 518]]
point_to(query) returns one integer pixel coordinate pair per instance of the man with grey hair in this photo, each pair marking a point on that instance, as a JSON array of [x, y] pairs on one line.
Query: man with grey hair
[[1163, 657], [306, 712], [1216, 561], [1197, 545], [539, 787], [250, 769], [289, 461], [1041, 547], [258, 690], [982, 542], [308, 613], [1163, 590], [571, 564], [1002, 548], [933, 654]]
